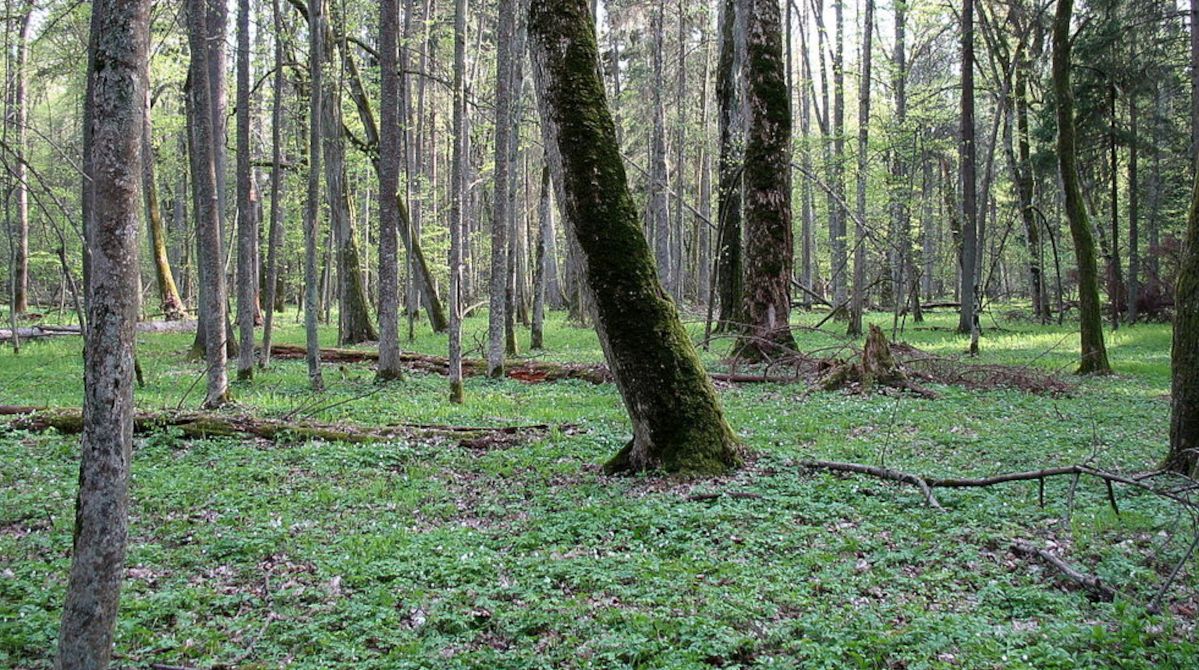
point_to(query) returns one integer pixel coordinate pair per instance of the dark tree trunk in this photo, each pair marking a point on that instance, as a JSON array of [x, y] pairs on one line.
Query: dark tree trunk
[[1094, 354], [729, 273], [247, 232], [458, 228], [389, 187], [769, 246], [20, 269], [273, 294], [659, 217], [1184, 395], [118, 61], [505, 34], [968, 323], [312, 203], [858, 298], [1022, 172], [677, 421]]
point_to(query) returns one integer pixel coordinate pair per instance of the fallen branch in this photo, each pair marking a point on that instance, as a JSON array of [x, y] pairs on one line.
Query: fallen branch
[[882, 473], [1091, 583], [43, 331], [736, 495], [69, 421]]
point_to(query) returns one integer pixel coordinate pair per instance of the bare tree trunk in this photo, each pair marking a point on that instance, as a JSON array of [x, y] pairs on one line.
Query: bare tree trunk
[[1115, 279], [1184, 395], [389, 189], [769, 246], [1195, 85], [729, 272], [1094, 353], [677, 421], [678, 272], [102, 502], [1022, 171], [837, 216], [703, 252], [1134, 205], [312, 204], [172, 305], [858, 301], [276, 227], [545, 247], [458, 231], [968, 322], [247, 232], [807, 198], [505, 35], [20, 269], [659, 216]]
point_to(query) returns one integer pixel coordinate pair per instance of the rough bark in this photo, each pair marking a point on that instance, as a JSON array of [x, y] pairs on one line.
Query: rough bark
[[458, 231], [118, 63], [677, 421], [1184, 395], [837, 215], [389, 188], [731, 122], [500, 218], [858, 298], [247, 233], [276, 225], [1093, 352], [659, 218], [967, 323], [769, 246], [312, 203], [545, 249], [20, 269], [1195, 86], [1022, 170]]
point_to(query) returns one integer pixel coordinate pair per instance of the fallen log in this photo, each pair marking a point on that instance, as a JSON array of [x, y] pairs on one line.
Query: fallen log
[[46, 330], [198, 425]]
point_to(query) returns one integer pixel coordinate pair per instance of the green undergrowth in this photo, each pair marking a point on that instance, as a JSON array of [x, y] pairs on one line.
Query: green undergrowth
[[429, 555]]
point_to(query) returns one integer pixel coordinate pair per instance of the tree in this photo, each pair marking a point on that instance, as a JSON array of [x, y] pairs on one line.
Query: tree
[[389, 188], [658, 209], [117, 69], [213, 320], [968, 322], [20, 271], [276, 227], [769, 247], [458, 228], [312, 203], [505, 35], [1094, 354], [172, 305], [858, 299], [1184, 358], [678, 424], [731, 122], [247, 231]]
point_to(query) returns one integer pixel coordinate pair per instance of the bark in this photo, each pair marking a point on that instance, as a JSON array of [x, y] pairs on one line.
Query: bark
[[769, 247], [659, 217], [1184, 396], [389, 189], [172, 305], [1022, 171], [1093, 353], [1195, 86], [247, 280], [678, 271], [458, 231], [20, 269], [968, 321], [807, 199], [312, 204], [213, 320], [276, 226], [1115, 274], [499, 219], [837, 215], [677, 421], [118, 68], [858, 299], [703, 251], [545, 249], [1134, 206], [731, 121]]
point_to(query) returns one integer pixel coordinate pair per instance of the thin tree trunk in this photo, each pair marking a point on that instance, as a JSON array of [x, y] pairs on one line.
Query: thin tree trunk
[[276, 227], [769, 246], [172, 305], [1094, 353], [458, 228], [312, 204], [837, 216], [389, 188], [20, 269], [505, 35], [859, 251], [1134, 204], [729, 198], [677, 421], [968, 292], [246, 229], [1184, 395], [659, 217], [545, 247]]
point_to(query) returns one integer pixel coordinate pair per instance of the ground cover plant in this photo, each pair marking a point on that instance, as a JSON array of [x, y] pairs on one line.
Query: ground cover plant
[[427, 553]]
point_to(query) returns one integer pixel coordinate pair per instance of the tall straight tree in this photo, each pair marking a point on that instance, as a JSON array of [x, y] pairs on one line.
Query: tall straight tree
[[312, 204], [172, 305], [1184, 393], [968, 321], [247, 230], [117, 70], [20, 293], [858, 299], [836, 202], [769, 244], [505, 34], [678, 424], [1093, 352], [1195, 86], [458, 228], [276, 226], [207, 197], [659, 217], [731, 122], [390, 157]]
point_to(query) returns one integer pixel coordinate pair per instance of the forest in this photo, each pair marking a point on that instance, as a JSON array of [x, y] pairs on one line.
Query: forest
[[599, 334]]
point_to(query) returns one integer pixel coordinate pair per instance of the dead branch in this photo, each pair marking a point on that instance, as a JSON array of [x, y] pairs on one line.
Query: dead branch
[[1091, 583]]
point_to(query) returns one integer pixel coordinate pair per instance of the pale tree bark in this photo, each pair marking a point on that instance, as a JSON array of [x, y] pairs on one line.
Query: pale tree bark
[[312, 204], [247, 279], [968, 321], [837, 215], [207, 197], [505, 34], [172, 305], [389, 187], [458, 228], [703, 252], [807, 206], [1184, 395], [276, 225], [677, 421], [858, 298], [678, 271], [20, 270], [659, 216], [769, 245], [118, 61], [1093, 352]]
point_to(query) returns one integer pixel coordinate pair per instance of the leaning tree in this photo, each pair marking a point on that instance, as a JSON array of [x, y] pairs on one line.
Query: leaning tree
[[678, 424]]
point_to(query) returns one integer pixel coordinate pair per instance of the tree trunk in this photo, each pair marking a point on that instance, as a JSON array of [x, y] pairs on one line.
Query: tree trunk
[[968, 322], [247, 232], [545, 233], [20, 270], [276, 227], [505, 34], [1184, 396], [389, 188], [858, 300], [1195, 86], [1115, 278], [1094, 354], [312, 204], [677, 421], [172, 305], [769, 246], [837, 214], [458, 231], [659, 217], [102, 502], [1134, 205], [729, 273], [1022, 172]]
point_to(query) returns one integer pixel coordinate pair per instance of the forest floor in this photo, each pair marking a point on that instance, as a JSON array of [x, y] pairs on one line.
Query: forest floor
[[425, 553]]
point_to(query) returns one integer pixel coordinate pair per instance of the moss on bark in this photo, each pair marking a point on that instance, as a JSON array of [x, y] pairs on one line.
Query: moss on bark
[[1184, 396]]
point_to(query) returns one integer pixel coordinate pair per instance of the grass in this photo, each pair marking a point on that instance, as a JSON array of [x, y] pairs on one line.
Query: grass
[[425, 555]]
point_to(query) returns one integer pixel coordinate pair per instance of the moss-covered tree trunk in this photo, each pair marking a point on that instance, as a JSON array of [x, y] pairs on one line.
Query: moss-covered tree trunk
[[172, 305], [678, 424], [1184, 397], [117, 74], [768, 238], [729, 272], [1094, 354]]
